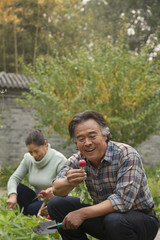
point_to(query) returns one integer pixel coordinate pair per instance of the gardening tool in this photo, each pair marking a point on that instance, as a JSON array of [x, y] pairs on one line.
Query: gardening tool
[[49, 227], [35, 198]]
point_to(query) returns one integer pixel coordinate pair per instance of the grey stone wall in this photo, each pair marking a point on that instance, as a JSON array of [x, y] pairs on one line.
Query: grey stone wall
[[17, 122], [150, 150]]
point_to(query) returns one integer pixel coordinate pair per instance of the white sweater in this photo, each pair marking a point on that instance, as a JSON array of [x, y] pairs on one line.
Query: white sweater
[[41, 173]]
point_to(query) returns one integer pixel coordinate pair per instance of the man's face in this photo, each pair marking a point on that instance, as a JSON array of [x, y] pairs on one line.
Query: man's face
[[36, 151], [90, 141]]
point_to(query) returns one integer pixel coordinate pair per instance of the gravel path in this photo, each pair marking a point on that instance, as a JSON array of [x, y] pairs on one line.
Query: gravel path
[[2, 191], [158, 236]]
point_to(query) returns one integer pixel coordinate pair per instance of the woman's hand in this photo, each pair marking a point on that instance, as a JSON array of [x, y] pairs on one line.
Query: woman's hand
[[49, 193], [12, 201]]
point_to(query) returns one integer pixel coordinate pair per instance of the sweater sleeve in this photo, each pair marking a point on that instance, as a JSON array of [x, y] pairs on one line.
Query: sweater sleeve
[[60, 163], [17, 176]]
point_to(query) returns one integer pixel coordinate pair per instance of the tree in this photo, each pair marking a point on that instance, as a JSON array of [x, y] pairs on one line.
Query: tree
[[108, 78], [38, 27], [142, 17], [9, 16], [30, 28]]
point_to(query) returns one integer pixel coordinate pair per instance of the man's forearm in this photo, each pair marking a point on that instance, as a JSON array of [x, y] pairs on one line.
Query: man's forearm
[[61, 187], [97, 210], [75, 218]]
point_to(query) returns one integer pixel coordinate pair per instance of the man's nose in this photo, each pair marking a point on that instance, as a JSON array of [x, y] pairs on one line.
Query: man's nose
[[87, 141]]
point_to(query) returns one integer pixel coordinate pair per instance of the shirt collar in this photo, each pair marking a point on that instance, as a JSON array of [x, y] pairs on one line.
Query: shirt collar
[[109, 152]]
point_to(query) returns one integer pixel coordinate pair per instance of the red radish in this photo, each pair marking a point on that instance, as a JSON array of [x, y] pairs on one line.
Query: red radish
[[40, 195], [43, 192], [48, 217], [82, 163]]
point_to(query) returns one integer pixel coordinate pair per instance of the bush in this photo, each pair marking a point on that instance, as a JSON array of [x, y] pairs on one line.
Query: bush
[[15, 225]]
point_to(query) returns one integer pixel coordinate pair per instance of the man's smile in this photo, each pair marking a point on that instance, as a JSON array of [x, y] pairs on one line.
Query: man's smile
[[90, 150]]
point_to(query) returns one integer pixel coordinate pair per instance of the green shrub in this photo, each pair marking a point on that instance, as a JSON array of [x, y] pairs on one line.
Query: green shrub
[[15, 225], [5, 173]]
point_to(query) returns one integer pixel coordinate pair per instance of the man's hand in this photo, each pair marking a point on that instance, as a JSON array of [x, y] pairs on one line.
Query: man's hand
[[12, 201], [63, 186], [76, 176], [73, 219]]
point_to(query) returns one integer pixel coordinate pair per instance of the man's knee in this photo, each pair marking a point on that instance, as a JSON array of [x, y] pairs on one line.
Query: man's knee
[[113, 222], [53, 203]]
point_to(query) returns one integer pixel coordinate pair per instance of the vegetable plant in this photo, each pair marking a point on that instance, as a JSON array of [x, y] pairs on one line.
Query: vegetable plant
[[15, 225], [81, 190]]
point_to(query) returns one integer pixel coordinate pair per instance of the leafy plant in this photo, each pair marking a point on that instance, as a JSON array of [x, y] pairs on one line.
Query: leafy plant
[[81, 190], [15, 225], [108, 78], [5, 173]]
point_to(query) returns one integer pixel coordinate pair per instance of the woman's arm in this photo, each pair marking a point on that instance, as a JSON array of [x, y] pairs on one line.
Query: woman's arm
[[17, 177]]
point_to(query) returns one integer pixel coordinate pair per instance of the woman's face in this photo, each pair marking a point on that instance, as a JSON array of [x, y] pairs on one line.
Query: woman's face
[[36, 151]]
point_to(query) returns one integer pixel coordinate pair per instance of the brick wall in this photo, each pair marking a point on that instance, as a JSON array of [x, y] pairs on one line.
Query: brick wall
[[17, 122]]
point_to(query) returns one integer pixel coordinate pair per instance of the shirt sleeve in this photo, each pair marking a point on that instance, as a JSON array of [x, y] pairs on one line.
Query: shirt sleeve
[[17, 177], [128, 183]]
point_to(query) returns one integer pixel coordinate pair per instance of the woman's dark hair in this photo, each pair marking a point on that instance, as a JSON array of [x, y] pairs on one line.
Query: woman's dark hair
[[86, 115], [35, 137]]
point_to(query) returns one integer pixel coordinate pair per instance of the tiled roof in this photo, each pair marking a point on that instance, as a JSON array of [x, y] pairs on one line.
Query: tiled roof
[[12, 80]]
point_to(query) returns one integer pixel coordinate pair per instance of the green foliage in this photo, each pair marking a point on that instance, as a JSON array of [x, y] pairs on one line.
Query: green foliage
[[37, 27], [15, 225], [5, 173], [81, 191], [21, 224], [153, 177], [108, 78]]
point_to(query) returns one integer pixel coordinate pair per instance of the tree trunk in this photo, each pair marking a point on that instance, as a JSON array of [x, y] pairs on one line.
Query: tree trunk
[[15, 48], [4, 45], [36, 36]]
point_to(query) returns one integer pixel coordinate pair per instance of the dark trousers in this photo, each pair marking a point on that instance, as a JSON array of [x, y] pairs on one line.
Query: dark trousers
[[132, 225], [25, 196]]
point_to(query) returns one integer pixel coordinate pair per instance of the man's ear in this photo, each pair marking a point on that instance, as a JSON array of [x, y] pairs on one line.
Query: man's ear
[[45, 143]]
